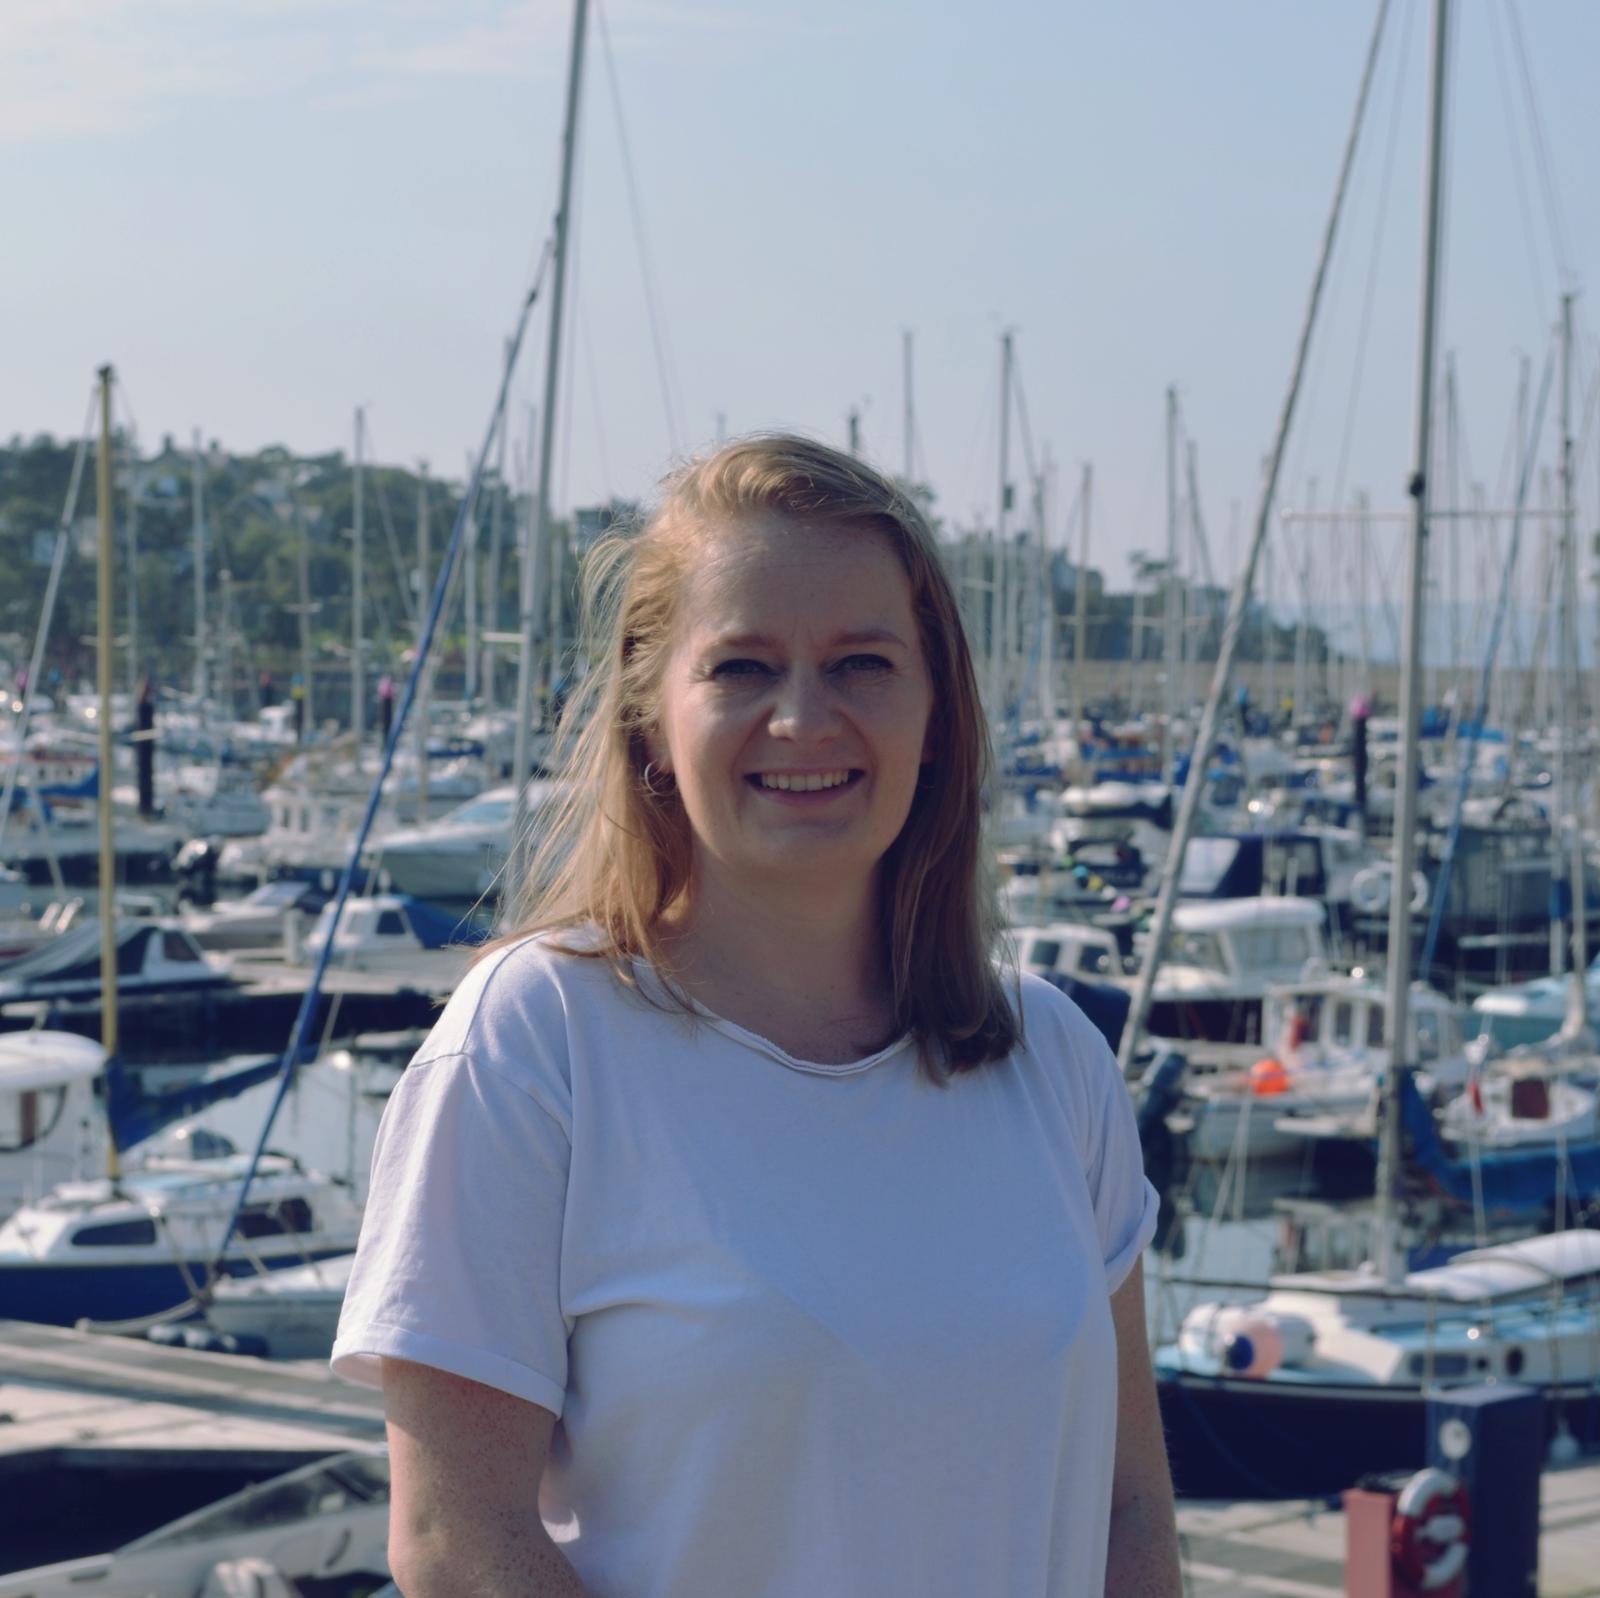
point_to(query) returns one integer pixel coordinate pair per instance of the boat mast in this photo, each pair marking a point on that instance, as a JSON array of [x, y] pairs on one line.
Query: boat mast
[[532, 621], [1390, 1262], [1002, 654], [133, 563], [358, 673], [304, 609], [1171, 642], [490, 609], [1080, 622], [201, 686], [1206, 734], [1576, 1025], [424, 681], [108, 851], [1047, 603]]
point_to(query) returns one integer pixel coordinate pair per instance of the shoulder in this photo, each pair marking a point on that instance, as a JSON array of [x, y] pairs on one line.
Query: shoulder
[[1050, 1017], [1061, 1044], [512, 1011]]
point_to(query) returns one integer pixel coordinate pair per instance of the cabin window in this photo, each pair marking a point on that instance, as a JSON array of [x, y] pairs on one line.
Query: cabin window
[[1095, 961], [1343, 1022], [178, 949], [1429, 1046], [391, 924], [1044, 953], [1442, 1364], [1514, 1361], [26, 1117], [1375, 1026], [274, 1220], [1200, 949], [130, 955], [116, 1234]]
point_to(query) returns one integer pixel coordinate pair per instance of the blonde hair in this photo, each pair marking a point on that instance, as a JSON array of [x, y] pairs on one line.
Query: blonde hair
[[615, 850]]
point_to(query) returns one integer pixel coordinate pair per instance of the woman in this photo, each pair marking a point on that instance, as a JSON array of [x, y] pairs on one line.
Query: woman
[[740, 1201]]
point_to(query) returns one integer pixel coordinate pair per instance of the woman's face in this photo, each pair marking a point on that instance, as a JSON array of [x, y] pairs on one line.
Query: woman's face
[[794, 705]]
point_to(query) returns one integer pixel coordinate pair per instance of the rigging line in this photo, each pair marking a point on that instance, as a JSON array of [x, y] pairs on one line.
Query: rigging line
[[58, 559], [1554, 213], [1441, 891], [1543, 298], [1022, 416], [575, 231], [594, 395], [980, 441], [375, 473], [1402, 57], [666, 369], [299, 1037], [1239, 602]]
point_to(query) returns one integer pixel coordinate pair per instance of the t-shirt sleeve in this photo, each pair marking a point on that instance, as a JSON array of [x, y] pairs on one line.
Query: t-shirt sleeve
[[460, 1256], [1125, 1204]]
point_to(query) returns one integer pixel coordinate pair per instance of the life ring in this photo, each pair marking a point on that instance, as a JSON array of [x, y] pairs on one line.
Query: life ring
[[1369, 890], [1432, 1530]]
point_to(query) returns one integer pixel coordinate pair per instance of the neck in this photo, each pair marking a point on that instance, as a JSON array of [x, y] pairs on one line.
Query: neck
[[781, 943]]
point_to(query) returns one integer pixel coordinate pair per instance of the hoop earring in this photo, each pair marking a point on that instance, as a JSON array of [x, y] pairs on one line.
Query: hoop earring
[[647, 779]]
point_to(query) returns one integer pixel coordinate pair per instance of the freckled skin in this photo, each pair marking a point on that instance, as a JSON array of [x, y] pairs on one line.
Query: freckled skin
[[797, 650]]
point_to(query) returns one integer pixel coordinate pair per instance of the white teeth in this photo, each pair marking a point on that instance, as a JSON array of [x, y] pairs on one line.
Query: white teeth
[[803, 782]]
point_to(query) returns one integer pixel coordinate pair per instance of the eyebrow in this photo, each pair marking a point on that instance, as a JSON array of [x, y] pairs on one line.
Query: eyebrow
[[867, 635]]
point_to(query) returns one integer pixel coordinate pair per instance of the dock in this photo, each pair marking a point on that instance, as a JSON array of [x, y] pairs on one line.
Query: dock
[[1296, 1549], [105, 1439], [85, 1391]]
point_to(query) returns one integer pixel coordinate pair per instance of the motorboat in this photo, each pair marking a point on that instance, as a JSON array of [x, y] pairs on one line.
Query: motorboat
[[379, 927], [459, 857], [286, 1314], [1330, 1046], [255, 921], [1520, 1013], [325, 1523], [157, 956], [50, 1124], [1221, 958], [1327, 1377], [113, 1249], [1520, 1103]]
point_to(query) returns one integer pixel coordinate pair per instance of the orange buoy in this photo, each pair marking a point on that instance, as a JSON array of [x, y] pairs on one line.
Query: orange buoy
[[1268, 1077]]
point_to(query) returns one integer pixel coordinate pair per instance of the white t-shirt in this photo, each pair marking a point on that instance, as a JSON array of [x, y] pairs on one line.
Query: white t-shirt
[[812, 1331]]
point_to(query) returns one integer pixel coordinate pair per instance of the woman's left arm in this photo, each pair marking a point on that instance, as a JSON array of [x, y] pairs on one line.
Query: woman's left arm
[[1142, 1560]]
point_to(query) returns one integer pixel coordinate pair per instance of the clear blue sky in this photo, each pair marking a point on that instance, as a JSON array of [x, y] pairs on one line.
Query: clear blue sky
[[267, 211]]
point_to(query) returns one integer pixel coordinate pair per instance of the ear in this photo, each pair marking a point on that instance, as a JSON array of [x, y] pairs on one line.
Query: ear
[[655, 748]]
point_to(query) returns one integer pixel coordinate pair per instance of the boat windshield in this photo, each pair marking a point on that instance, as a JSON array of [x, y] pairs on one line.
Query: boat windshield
[[1202, 949], [1507, 1032], [483, 813], [302, 1495], [275, 895]]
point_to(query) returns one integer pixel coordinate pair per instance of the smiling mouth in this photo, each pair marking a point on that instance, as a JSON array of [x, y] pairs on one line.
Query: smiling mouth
[[804, 782]]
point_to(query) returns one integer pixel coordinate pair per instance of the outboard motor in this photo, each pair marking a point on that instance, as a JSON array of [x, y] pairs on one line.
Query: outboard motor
[[1166, 1155], [195, 867]]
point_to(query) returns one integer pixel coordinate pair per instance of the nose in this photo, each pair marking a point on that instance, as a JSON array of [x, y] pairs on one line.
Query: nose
[[803, 709]]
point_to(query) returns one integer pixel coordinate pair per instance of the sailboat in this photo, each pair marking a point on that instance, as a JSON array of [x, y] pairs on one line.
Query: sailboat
[[1327, 1376]]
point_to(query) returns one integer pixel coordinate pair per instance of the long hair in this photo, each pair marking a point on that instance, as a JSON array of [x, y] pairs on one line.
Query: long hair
[[614, 851]]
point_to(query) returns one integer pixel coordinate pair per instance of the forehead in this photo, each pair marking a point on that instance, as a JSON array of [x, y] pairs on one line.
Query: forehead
[[775, 569]]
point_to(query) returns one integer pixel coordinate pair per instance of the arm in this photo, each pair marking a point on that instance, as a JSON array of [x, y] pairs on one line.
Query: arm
[[1142, 1560], [465, 1462]]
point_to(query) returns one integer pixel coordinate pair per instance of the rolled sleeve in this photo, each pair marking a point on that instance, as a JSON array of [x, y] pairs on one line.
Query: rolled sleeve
[[459, 1263]]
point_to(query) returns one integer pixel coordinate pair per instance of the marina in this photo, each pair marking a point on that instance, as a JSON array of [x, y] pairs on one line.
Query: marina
[[1333, 905]]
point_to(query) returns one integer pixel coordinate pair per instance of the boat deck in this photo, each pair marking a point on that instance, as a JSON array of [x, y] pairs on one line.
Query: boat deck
[[1296, 1550]]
